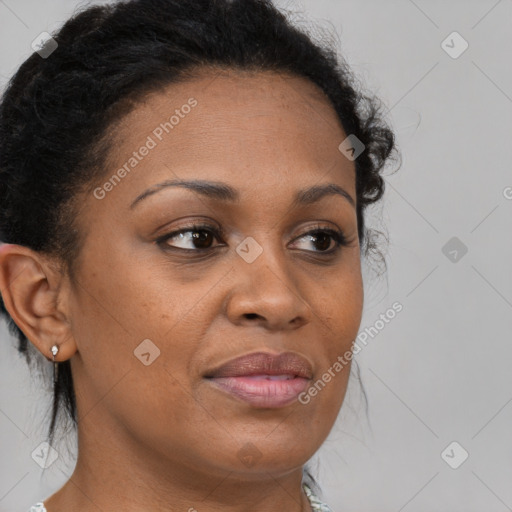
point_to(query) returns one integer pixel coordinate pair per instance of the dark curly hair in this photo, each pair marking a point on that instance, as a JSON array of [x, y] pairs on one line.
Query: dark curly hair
[[56, 112]]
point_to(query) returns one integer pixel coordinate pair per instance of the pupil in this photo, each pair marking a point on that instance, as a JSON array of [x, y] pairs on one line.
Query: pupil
[[325, 238], [200, 238]]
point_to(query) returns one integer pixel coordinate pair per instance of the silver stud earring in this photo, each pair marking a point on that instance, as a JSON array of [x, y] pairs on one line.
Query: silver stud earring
[[55, 351]]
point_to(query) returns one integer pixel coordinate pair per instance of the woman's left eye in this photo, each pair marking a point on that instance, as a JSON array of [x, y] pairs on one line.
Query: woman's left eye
[[201, 238], [323, 237]]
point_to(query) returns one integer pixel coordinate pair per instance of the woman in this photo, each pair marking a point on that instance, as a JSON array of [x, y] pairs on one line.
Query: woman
[[182, 195]]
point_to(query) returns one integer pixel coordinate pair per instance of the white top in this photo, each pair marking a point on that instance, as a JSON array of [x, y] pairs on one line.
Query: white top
[[316, 504]]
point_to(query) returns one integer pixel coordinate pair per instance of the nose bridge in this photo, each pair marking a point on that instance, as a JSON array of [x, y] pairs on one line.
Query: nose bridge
[[265, 284], [263, 253]]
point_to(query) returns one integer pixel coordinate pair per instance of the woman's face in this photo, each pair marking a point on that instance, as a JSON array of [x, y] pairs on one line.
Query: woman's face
[[152, 317]]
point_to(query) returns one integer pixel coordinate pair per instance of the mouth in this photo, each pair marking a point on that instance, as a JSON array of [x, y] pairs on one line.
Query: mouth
[[263, 380]]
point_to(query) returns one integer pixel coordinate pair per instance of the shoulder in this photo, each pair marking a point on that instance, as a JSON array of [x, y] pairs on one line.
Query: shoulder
[[38, 507], [317, 505]]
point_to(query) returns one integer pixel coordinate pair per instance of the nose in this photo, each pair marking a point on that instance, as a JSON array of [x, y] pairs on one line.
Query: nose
[[267, 292]]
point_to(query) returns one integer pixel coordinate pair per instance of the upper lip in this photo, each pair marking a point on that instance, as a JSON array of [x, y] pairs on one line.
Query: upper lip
[[259, 363]]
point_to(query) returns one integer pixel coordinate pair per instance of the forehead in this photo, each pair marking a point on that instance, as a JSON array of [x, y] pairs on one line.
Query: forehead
[[259, 131]]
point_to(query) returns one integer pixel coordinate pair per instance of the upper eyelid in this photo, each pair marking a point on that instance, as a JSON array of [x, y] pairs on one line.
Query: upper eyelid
[[207, 227]]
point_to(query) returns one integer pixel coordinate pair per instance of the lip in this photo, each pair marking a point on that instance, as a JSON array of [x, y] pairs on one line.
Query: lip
[[257, 363], [263, 379]]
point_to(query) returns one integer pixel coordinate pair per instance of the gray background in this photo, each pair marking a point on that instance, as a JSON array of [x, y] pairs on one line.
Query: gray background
[[439, 371]]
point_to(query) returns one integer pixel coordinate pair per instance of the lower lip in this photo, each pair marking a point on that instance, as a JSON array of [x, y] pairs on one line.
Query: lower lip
[[263, 392]]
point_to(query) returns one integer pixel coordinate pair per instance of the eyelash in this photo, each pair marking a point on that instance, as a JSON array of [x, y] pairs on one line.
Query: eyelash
[[337, 236]]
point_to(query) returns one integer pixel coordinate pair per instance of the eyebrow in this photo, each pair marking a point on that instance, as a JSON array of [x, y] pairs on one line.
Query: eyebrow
[[223, 192]]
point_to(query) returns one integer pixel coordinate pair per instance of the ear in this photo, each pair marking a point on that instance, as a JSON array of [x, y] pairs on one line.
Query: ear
[[33, 291]]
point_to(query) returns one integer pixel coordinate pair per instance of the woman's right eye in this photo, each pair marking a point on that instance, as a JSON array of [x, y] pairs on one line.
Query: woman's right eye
[[199, 237]]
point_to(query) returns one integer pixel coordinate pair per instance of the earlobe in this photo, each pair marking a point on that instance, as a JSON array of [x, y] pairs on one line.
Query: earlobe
[[30, 290]]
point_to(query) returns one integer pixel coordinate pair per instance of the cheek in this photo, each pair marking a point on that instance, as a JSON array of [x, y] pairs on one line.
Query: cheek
[[136, 340], [338, 315], [135, 297], [133, 313], [340, 309]]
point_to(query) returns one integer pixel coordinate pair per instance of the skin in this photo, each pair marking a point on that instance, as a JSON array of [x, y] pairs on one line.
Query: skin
[[161, 437]]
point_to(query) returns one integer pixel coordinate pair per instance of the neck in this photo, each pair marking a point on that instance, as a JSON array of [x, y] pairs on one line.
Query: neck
[[115, 472]]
